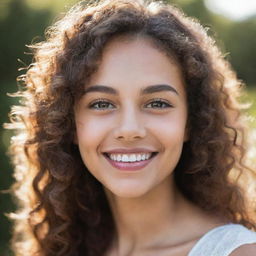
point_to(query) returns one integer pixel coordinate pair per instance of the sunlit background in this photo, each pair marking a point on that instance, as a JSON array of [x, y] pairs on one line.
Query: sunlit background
[[233, 9], [231, 22]]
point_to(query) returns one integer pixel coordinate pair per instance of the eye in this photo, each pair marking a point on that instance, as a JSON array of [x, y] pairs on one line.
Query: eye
[[101, 105], [159, 103]]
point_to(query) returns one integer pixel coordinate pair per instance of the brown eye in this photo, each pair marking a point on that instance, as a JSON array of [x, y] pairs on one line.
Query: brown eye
[[159, 104], [101, 105]]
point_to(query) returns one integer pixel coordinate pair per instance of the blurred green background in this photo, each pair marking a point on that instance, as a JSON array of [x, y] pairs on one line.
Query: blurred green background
[[24, 21]]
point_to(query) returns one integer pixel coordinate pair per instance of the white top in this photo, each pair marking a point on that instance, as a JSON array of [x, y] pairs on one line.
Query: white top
[[223, 240]]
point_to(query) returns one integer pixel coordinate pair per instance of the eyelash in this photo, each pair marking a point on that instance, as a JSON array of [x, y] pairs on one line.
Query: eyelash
[[103, 101]]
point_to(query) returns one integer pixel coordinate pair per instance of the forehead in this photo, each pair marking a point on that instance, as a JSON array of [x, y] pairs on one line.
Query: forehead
[[136, 61]]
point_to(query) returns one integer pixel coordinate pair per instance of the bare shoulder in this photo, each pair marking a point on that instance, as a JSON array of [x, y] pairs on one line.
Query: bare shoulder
[[245, 250]]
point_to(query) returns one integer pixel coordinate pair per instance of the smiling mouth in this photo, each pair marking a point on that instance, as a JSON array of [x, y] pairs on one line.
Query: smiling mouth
[[128, 160]]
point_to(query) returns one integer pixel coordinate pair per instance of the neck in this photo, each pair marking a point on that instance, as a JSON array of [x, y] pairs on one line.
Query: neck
[[150, 219]]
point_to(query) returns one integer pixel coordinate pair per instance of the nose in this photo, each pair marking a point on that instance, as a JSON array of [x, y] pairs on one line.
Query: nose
[[130, 126]]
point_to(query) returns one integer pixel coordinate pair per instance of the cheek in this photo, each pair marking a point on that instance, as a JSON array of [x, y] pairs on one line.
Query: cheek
[[88, 138], [170, 129], [91, 131], [171, 134]]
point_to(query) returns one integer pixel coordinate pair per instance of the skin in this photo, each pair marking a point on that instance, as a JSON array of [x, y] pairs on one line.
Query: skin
[[151, 215], [245, 250], [131, 123]]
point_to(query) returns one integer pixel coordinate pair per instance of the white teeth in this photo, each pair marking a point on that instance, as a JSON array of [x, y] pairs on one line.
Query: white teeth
[[125, 158], [130, 157]]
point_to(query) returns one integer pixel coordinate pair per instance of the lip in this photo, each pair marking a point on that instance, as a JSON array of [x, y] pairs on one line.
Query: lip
[[129, 150], [129, 166]]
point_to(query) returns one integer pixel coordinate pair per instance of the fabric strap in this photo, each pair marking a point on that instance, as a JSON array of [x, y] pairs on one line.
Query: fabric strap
[[222, 240]]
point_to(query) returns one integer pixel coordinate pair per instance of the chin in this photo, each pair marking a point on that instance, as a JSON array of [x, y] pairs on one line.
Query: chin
[[128, 191]]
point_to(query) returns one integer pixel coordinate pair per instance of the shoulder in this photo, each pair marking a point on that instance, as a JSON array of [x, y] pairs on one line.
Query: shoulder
[[245, 250]]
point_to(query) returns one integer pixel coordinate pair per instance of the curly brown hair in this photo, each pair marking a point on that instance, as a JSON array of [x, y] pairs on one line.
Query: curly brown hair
[[63, 209]]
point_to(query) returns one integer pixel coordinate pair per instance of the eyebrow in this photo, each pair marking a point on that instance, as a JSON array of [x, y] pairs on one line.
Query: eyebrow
[[148, 90]]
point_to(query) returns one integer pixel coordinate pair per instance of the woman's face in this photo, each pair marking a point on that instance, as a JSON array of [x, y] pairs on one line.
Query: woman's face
[[133, 107]]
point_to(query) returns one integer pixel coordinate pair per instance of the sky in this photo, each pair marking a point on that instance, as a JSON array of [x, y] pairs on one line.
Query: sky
[[234, 9]]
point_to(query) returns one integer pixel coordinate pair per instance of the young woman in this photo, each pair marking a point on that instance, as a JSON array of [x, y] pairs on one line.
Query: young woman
[[130, 141]]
